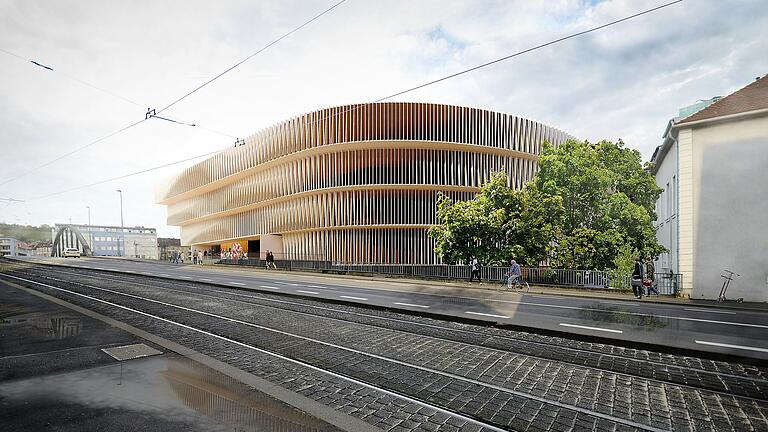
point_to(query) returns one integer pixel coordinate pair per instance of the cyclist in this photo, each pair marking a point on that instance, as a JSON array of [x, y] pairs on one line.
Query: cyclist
[[513, 276]]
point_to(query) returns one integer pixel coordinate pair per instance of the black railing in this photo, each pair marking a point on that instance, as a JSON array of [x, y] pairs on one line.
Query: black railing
[[664, 283]]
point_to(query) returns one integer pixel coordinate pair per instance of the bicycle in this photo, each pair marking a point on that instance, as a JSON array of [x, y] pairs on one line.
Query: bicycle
[[515, 282]]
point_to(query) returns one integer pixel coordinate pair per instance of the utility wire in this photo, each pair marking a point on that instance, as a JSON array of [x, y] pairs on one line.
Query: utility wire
[[534, 48], [122, 176], [429, 83], [71, 152], [111, 93], [251, 56], [492, 62], [167, 106], [73, 78]]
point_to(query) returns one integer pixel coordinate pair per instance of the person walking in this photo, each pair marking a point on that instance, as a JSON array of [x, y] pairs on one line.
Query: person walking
[[650, 276], [637, 278], [271, 260], [514, 274], [475, 264]]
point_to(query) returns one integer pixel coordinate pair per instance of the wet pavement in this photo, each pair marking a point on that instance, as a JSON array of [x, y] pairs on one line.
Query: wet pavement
[[675, 326], [55, 376]]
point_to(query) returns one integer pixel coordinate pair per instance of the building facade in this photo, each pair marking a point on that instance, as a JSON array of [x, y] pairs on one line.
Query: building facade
[[166, 247], [9, 246], [353, 184], [713, 167], [136, 242]]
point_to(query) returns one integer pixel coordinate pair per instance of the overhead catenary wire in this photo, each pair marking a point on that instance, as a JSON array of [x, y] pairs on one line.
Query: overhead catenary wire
[[264, 48], [489, 63], [71, 152], [414, 88], [71, 77], [120, 177], [492, 62], [111, 93], [123, 129]]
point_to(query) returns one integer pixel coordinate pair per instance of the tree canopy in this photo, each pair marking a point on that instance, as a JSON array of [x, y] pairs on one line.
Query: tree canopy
[[586, 203]]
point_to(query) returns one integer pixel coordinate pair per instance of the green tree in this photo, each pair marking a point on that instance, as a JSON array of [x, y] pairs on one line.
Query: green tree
[[587, 204], [608, 202], [26, 233], [497, 225]]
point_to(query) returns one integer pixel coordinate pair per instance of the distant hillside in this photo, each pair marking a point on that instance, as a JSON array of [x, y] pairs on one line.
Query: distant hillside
[[26, 233]]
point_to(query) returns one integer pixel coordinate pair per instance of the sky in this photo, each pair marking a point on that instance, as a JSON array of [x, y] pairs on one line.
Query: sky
[[623, 82]]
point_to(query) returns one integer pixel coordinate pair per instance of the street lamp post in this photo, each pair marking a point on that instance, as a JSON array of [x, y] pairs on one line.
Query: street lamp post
[[90, 230], [121, 221]]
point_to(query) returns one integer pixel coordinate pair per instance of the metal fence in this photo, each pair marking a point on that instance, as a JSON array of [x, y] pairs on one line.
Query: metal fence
[[665, 283]]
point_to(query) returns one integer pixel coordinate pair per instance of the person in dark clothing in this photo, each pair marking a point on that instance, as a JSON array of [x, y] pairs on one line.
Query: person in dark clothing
[[475, 264], [637, 278], [270, 260]]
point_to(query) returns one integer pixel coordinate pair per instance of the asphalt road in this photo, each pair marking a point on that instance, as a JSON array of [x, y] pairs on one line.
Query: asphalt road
[[726, 331], [401, 372]]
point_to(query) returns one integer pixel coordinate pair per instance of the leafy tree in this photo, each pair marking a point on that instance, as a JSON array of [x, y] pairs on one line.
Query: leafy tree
[[497, 225], [624, 264], [608, 202], [587, 204], [26, 233]]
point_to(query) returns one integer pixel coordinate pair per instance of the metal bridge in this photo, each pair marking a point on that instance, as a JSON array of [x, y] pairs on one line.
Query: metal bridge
[[70, 237]]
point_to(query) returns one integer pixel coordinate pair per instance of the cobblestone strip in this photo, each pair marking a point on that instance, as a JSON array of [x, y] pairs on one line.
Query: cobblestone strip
[[688, 377], [713, 408], [385, 411], [534, 376], [472, 398], [746, 380], [641, 413]]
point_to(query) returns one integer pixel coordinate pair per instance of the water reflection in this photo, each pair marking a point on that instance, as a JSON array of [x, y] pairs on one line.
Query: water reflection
[[172, 393], [224, 399], [42, 325], [609, 314]]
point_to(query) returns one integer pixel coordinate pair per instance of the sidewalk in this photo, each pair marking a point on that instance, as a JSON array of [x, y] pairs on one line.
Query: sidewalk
[[495, 286]]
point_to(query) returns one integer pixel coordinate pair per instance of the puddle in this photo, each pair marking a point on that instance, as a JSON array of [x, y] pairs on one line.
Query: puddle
[[46, 325], [609, 314], [160, 393]]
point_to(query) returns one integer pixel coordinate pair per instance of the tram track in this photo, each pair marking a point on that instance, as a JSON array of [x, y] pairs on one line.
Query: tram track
[[751, 383], [295, 343]]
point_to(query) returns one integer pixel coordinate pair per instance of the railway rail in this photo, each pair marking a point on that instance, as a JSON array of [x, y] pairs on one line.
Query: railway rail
[[466, 377]]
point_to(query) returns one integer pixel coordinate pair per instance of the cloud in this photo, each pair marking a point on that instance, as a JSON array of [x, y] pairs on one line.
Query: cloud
[[623, 82]]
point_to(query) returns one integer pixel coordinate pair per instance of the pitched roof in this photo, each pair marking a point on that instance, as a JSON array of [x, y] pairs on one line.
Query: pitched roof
[[750, 98]]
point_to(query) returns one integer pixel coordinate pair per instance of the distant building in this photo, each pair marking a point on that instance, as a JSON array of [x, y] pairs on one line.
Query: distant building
[[9, 246], [165, 246], [40, 248], [696, 107], [713, 169], [12, 247], [137, 242]]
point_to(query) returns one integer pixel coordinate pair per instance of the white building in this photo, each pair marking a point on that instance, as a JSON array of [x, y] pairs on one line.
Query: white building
[[8, 246], [713, 168]]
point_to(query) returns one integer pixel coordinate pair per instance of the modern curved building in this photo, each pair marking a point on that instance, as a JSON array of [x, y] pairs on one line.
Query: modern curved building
[[351, 184]]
